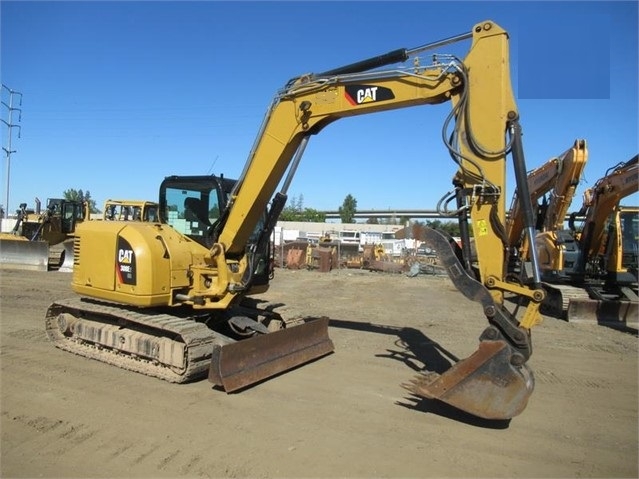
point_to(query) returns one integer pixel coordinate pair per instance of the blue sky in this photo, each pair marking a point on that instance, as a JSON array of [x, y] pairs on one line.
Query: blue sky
[[118, 95]]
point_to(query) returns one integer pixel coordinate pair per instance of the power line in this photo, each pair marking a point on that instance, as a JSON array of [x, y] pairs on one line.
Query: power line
[[10, 127]]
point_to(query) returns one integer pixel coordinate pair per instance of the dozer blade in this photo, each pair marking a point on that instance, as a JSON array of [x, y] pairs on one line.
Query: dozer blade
[[24, 254], [66, 265], [486, 384], [242, 363], [621, 313]]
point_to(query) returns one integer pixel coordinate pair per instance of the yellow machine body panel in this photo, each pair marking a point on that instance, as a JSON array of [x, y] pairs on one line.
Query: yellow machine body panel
[[133, 263]]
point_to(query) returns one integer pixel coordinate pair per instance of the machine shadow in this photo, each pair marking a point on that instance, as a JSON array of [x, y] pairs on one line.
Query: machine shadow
[[414, 347]]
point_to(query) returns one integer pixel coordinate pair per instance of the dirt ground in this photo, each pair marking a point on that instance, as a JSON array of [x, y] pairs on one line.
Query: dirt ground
[[345, 415]]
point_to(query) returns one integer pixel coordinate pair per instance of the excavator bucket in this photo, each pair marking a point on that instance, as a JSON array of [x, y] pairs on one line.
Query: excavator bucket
[[486, 384], [492, 383], [240, 364], [24, 254]]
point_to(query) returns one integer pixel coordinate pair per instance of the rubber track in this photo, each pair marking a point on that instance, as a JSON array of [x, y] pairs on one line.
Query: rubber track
[[197, 337]]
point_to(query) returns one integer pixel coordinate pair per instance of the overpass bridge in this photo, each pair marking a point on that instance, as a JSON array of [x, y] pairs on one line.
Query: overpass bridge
[[412, 214], [365, 214]]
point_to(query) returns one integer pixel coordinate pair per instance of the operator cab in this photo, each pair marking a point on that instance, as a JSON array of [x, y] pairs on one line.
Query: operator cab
[[194, 205], [69, 212]]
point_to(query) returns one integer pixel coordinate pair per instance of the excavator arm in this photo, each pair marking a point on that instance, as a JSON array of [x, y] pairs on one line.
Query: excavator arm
[[540, 181], [573, 164], [551, 238], [558, 177], [620, 181]]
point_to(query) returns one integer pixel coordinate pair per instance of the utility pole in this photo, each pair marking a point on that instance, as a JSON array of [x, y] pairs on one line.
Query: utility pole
[[10, 127]]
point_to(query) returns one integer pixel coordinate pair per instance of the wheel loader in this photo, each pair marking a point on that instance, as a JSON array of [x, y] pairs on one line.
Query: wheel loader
[[29, 245], [172, 299]]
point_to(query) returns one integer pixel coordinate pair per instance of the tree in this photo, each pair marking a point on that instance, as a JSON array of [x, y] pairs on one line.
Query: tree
[[313, 216], [78, 195], [348, 209], [450, 227], [292, 211], [296, 212], [404, 220]]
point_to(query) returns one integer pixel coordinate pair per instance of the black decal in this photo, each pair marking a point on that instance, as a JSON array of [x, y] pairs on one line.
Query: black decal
[[360, 94], [125, 262]]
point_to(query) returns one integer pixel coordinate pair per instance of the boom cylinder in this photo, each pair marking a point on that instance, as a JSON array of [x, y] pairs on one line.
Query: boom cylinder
[[396, 56]]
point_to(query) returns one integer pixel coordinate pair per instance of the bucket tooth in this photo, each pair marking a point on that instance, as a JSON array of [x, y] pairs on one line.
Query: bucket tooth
[[486, 384], [243, 363]]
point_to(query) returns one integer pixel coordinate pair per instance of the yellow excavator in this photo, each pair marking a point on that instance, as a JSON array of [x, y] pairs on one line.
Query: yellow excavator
[[591, 274], [29, 245], [559, 178], [172, 299]]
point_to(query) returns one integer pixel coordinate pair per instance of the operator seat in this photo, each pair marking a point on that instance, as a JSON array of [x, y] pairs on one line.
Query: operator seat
[[195, 210]]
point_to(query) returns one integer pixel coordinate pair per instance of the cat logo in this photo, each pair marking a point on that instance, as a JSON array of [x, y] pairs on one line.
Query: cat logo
[[366, 95], [125, 256], [361, 94], [125, 267]]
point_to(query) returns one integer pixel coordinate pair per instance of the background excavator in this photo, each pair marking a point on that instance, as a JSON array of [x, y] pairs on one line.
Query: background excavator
[[172, 299], [590, 274], [29, 245], [559, 178]]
